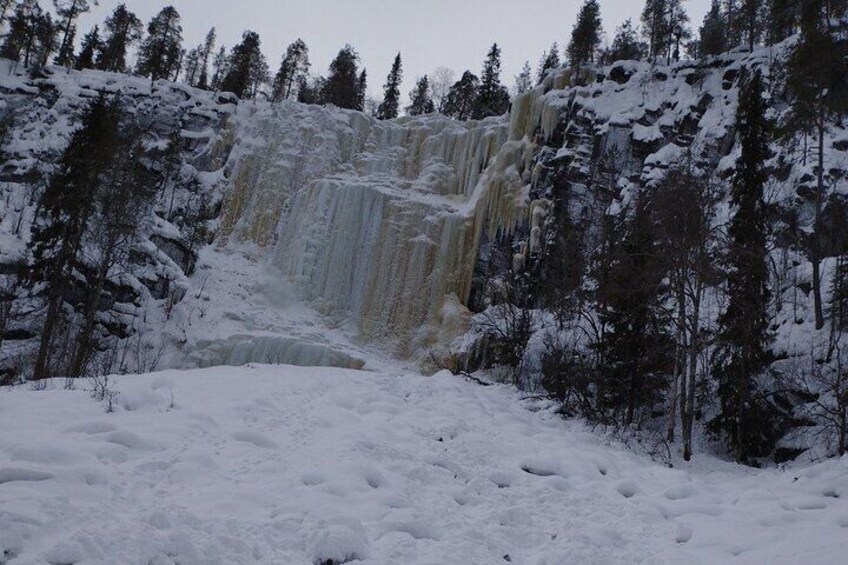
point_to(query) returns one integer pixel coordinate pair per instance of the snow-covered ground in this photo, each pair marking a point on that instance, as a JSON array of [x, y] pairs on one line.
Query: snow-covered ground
[[287, 465]]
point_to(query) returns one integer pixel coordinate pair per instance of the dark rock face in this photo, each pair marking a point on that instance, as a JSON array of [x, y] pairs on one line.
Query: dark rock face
[[38, 114], [178, 251]]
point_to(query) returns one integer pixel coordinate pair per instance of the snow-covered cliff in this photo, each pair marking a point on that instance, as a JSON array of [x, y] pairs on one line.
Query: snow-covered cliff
[[384, 227]]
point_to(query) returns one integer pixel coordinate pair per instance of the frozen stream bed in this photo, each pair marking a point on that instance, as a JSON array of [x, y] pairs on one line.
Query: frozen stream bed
[[292, 465]]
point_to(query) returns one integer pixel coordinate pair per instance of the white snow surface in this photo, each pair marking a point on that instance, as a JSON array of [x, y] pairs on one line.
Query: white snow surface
[[294, 465]]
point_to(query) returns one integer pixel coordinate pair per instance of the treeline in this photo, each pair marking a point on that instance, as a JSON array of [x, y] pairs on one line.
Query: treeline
[[634, 343], [664, 33]]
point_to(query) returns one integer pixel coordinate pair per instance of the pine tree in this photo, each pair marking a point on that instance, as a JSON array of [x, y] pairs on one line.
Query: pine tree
[[123, 29], [31, 37], [666, 26], [390, 106], [90, 46], [69, 11], [159, 54], [817, 74], [713, 40], [421, 101], [205, 55], [586, 36], [245, 67], [295, 65], [462, 97], [745, 419], [343, 86], [492, 96], [524, 80], [626, 45], [549, 61]]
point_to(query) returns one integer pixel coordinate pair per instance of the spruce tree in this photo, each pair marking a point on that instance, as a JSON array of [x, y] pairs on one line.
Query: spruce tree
[[390, 106], [244, 67], [66, 209], [462, 97], [636, 348], [260, 73], [549, 61], [295, 64], [524, 80], [713, 40], [586, 35], [90, 46], [69, 11], [191, 66], [205, 55], [159, 54], [343, 86], [745, 419], [492, 96], [123, 30], [219, 68], [361, 90], [310, 91], [420, 98], [626, 45]]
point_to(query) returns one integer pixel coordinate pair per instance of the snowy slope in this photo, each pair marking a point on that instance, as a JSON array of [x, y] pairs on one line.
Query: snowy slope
[[288, 465]]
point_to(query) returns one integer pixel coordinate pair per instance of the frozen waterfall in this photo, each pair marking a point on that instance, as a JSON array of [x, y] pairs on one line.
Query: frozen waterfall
[[379, 223]]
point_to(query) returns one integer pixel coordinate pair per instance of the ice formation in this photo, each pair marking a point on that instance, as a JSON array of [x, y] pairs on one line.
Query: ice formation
[[375, 222]]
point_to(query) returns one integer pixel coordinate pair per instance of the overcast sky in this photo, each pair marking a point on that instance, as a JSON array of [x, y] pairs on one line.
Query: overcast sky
[[428, 33]]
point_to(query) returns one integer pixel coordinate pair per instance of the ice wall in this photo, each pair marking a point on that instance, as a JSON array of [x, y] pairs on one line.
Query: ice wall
[[376, 223]]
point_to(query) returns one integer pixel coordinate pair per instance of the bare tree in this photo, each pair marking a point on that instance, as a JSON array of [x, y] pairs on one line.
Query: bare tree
[[441, 81], [684, 205]]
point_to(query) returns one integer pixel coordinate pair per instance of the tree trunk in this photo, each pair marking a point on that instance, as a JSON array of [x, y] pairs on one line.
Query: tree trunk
[[679, 383], [815, 247], [63, 50], [40, 371], [84, 346], [687, 400]]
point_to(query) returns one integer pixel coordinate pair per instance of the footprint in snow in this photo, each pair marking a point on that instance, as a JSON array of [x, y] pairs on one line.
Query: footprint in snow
[[627, 489], [129, 440], [681, 492], [92, 428], [255, 438], [13, 475]]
